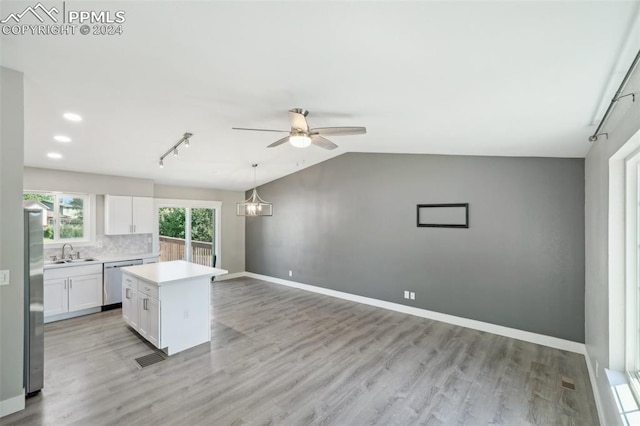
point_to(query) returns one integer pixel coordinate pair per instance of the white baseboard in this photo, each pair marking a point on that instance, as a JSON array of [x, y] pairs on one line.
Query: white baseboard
[[527, 336], [231, 276], [594, 387], [68, 315], [11, 405]]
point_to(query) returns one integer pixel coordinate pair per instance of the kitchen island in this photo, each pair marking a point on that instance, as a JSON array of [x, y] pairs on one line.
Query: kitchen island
[[167, 303]]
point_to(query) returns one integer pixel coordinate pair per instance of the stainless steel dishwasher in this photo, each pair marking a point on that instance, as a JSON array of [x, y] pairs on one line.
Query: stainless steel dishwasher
[[112, 279]]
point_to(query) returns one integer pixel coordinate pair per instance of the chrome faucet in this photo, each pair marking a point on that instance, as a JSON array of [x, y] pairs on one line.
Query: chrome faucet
[[70, 247]]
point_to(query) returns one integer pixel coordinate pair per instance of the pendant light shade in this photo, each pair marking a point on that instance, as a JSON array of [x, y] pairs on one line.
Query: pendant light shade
[[254, 205]]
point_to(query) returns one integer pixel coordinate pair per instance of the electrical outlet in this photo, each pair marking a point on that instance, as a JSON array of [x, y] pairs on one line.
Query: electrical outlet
[[406, 294], [4, 277], [99, 243], [412, 295], [290, 273]]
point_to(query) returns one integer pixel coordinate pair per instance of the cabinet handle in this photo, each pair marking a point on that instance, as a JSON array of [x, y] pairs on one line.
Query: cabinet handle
[[65, 284], [134, 228], [126, 293], [70, 283]]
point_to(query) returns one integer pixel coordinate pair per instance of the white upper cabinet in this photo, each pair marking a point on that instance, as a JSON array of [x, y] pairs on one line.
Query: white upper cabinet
[[128, 215], [142, 215]]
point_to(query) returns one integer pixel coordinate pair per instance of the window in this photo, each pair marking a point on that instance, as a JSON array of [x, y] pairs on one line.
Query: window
[[66, 216], [187, 233], [631, 268], [188, 230]]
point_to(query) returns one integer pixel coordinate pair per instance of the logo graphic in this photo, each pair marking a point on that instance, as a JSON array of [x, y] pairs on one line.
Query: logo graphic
[[34, 11], [40, 20]]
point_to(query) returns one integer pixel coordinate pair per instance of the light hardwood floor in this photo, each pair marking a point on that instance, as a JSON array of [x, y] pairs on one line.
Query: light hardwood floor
[[286, 356]]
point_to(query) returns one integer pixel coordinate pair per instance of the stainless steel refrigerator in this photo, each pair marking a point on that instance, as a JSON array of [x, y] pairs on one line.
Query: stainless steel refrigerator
[[33, 301]]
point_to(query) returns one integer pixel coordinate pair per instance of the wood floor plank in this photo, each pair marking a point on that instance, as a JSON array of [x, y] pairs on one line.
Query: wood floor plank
[[285, 356]]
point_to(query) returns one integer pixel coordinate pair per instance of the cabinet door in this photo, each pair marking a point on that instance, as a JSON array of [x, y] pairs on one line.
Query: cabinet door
[[85, 292], [55, 296], [130, 306], [149, 318], [142, 215], [143, 316], [153, 328], [117, 215]]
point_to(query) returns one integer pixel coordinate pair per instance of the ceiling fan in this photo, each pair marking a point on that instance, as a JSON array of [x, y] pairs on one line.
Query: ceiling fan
[[301, 136]]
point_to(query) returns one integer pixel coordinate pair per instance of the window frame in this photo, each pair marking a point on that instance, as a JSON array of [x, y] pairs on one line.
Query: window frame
[[88, 213], [190, 204], [632, 267]]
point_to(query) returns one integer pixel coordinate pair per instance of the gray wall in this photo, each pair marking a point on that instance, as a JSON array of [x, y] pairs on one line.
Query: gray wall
[[232, 226], [605, 297], [349, 224], [11, 232], [38, 179]]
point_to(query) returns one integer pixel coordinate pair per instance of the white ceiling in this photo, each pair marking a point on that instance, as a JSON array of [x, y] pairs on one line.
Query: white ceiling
[[480, 78]]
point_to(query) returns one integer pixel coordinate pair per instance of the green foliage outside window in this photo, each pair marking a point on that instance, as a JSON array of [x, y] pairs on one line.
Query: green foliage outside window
[[172, 221], [70, 215]]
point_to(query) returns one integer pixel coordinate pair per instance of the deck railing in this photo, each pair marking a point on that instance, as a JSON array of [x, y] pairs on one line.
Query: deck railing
[[173, 249]]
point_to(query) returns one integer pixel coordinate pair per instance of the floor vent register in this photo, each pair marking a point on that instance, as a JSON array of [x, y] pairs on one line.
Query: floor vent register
[[567, 383], [151, 359]]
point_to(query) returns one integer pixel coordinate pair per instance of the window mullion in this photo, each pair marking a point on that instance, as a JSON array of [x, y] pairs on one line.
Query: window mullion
[[187, 234], [56, 221]]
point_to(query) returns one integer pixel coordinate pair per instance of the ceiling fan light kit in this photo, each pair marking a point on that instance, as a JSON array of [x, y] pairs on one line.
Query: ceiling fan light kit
[[300, 141], [254, 205], [301, 136]]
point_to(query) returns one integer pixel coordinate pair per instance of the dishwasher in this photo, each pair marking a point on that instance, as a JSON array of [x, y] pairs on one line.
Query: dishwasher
[[112, 284]]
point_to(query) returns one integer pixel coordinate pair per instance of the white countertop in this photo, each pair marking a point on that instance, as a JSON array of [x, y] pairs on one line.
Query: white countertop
[[177, 270], [102, 260]]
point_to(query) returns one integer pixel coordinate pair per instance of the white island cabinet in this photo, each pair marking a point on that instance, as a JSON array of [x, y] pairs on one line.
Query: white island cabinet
[[168, 303]]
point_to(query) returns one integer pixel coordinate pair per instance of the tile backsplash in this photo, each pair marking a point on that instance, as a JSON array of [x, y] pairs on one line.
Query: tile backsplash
[[112, 245]]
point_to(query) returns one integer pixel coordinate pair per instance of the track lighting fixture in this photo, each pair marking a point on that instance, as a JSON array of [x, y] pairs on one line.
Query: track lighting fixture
[[174, 149]]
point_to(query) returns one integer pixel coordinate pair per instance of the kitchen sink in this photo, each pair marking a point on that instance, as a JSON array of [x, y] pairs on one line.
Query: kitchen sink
[[67, 261]]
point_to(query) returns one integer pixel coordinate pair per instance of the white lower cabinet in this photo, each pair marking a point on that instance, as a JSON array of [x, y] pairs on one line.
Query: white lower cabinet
[[56, 296], [130, 305], [141, 308], [149, 325], [72, 289]]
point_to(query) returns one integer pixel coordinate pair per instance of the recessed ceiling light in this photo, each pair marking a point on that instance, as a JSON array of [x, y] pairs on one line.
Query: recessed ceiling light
[[72, 116], [61, 138], [54, 155]]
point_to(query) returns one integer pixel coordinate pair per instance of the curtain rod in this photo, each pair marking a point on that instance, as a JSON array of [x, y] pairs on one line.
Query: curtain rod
[[617, 97]]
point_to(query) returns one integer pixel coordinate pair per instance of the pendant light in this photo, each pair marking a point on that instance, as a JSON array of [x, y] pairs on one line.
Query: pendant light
[[254, 205]]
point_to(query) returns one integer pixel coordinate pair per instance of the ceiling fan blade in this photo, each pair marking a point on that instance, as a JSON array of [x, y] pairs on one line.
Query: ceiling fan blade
[[338, 131], [279, 142], [298, 121], [322, 142], [260, 130]]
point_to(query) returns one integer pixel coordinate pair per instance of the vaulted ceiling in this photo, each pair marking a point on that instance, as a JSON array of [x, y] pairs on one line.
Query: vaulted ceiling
[[513, 78]]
